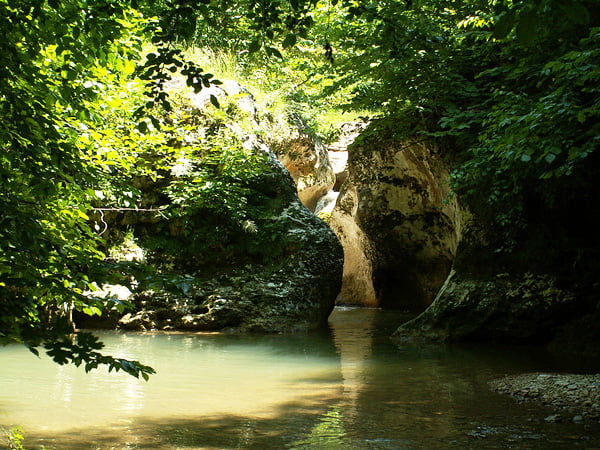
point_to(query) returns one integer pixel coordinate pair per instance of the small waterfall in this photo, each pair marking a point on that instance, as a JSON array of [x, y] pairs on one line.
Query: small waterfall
[[326, 203], [338, 159]]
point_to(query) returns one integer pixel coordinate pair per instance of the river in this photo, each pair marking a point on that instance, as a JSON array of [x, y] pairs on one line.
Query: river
[[349, 387]]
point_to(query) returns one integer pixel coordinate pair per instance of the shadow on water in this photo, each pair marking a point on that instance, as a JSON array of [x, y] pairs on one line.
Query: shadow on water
[[292, 422], [438, 396], [349, 388]]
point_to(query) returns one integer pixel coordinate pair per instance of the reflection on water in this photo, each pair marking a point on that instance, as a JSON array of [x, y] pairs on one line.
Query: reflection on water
[[349, 388]]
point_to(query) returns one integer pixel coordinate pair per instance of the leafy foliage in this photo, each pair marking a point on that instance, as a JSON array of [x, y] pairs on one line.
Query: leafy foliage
[[83, 350], [509, 87], [48, 252]]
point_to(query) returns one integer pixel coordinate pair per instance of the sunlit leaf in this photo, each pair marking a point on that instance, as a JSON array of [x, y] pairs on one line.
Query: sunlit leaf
[[289, 41]]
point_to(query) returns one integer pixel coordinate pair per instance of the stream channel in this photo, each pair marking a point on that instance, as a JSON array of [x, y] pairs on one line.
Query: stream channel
[[349, 387]]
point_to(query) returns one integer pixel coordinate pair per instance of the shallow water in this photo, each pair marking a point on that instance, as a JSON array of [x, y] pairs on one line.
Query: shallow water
[[347, 388]]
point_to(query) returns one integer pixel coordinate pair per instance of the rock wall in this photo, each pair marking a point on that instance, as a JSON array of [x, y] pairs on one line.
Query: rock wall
[[306, 158], [397, 222]]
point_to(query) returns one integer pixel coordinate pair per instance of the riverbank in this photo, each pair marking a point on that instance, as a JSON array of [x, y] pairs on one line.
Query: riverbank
[[575, 397]]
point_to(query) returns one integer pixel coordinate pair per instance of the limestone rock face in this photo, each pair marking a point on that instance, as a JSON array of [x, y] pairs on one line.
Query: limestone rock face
[[338, 150], [398, 224], [307, 160]]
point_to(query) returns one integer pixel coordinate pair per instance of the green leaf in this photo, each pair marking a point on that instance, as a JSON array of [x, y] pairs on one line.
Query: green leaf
[[142, 127], [527, 27], [155, 122], [272, 51], [504, 24], [289, 41], [576, 12], [214, 101], [254, 46]]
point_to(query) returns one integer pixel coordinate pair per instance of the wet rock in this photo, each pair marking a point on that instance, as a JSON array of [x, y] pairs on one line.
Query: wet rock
[[501, 309], [139, 321], [554, 418]]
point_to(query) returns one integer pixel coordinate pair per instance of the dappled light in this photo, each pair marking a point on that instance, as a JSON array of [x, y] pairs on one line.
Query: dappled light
[[189, 189], [349, 388]]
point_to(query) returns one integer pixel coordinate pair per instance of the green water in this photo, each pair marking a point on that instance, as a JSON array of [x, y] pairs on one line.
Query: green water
[[347, 388]]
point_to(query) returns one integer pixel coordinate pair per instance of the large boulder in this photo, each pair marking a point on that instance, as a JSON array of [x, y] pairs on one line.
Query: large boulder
[[503, 309], [398, 223], [507, 297], [306, 158], [293, 290], [278, 271]]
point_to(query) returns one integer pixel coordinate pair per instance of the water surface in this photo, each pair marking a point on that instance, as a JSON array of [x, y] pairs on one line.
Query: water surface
[[350, 387]]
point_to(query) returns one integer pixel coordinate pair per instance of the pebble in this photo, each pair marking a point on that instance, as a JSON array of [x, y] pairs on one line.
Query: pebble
[[576, 395], [553, 418]]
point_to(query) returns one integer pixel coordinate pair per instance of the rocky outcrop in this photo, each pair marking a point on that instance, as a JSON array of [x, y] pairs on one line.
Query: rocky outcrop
[[502, 309], [306, 158], [294, 290], [491, 296], [280, 270], [398, 224]]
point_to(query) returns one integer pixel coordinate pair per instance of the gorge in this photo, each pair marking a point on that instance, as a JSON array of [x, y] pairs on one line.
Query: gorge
[[315, 223]]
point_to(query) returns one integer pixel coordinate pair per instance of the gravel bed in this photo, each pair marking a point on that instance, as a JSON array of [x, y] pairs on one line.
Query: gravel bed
[[575, 397]]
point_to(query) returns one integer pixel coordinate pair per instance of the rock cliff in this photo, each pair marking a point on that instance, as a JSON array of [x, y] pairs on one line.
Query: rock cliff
[[305, 157], [397, 222]]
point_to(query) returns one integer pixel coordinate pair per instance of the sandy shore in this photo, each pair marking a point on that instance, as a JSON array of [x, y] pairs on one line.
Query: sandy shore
[[574, 397]]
